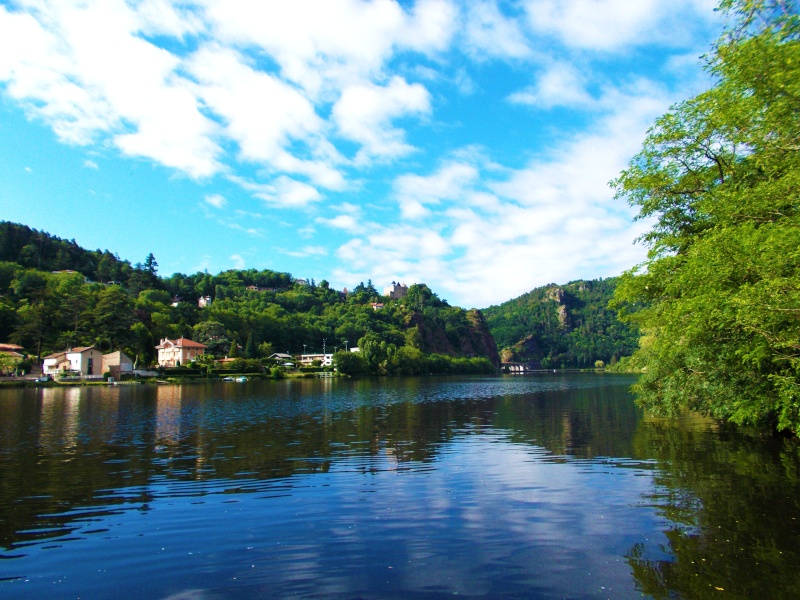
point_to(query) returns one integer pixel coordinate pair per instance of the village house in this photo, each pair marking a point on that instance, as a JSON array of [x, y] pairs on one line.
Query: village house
[[204, 301], [326, 360], [174, 353], [9, 358], [85, 361], [117, 363]]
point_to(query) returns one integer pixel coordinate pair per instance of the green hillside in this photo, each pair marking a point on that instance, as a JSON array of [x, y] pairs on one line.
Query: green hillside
[[562, 326], [55, 294]]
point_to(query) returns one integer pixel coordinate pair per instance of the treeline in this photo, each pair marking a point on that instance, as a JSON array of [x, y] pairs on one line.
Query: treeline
[[55, 295], [562, 326]]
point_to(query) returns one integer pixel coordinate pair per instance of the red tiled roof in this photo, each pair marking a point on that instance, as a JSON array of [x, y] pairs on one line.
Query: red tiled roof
[[13, 347], [82, 349], [183, 343]]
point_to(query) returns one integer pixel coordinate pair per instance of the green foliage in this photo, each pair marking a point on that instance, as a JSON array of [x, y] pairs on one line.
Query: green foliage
[[719, 297], [47, 312], [568, 325]]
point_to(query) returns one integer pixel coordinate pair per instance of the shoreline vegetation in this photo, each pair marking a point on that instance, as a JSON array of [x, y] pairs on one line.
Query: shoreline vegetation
[[718, 298]]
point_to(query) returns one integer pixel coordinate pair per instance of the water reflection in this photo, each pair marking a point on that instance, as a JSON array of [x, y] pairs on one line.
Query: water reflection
[[732, 500], [540, 487]]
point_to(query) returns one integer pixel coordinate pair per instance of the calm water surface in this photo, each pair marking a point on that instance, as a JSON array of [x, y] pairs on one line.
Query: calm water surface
[[530, 487]]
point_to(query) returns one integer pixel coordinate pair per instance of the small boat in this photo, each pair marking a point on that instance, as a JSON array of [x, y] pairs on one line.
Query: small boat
[[227, 379], [241, 379]]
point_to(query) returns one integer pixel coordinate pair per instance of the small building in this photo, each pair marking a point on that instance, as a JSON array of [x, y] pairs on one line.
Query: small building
[[176, 300], [377, 305], [9, 362], [204, 301], [326, 360], [85, 361], [174, 353], [117, 363], [395, 291], [226, 360]]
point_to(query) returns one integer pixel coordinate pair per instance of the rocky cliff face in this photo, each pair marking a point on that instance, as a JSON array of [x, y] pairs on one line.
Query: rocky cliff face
[[481, 338], [466, 334]]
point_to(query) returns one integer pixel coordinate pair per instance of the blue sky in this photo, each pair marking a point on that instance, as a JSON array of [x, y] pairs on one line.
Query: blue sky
[[467, 145]]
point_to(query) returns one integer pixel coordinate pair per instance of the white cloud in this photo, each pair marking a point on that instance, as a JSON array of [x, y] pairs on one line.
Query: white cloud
[[263, 114], [613, 25], [305, 252], [83, 69], [324, 45], [90, 164], [364, 113], [238, 261], [488, 32], [283, 192], [344, 222], [216, 200], [561, 84], [450, 182], [291, 193], [492, 235]]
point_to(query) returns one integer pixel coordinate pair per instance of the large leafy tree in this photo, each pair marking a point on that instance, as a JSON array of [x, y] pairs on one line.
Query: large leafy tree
[[719, 295]]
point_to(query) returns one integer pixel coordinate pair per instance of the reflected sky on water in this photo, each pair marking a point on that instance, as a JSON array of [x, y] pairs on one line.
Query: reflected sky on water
[[535, 487]]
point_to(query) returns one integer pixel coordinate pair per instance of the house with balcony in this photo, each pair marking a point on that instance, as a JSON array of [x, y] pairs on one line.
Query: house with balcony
[[307, 360], [174, 353]]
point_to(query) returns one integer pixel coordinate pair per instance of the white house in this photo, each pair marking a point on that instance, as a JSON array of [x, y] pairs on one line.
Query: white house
[[326, 360], [174, 353], [86, 361], [204, 301]]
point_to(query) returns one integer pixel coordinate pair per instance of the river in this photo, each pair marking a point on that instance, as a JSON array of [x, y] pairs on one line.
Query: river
[[545, 486]]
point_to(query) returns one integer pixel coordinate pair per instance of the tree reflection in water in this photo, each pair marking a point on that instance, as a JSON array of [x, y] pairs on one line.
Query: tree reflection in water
[[732, 501]]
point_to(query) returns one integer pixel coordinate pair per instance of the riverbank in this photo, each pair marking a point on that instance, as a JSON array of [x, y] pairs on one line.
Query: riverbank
[[19, 382]]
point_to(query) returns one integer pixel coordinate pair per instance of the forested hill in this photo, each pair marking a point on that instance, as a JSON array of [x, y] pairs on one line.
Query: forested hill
[[55, 294], [562, 326]]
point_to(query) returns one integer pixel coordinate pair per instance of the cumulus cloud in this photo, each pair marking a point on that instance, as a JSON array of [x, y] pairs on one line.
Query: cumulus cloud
[[324, 45], [364, 114], [280, 83], [84, 69]]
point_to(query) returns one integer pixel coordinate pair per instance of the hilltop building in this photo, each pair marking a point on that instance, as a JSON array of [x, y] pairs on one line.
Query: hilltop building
[[396, 290]]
